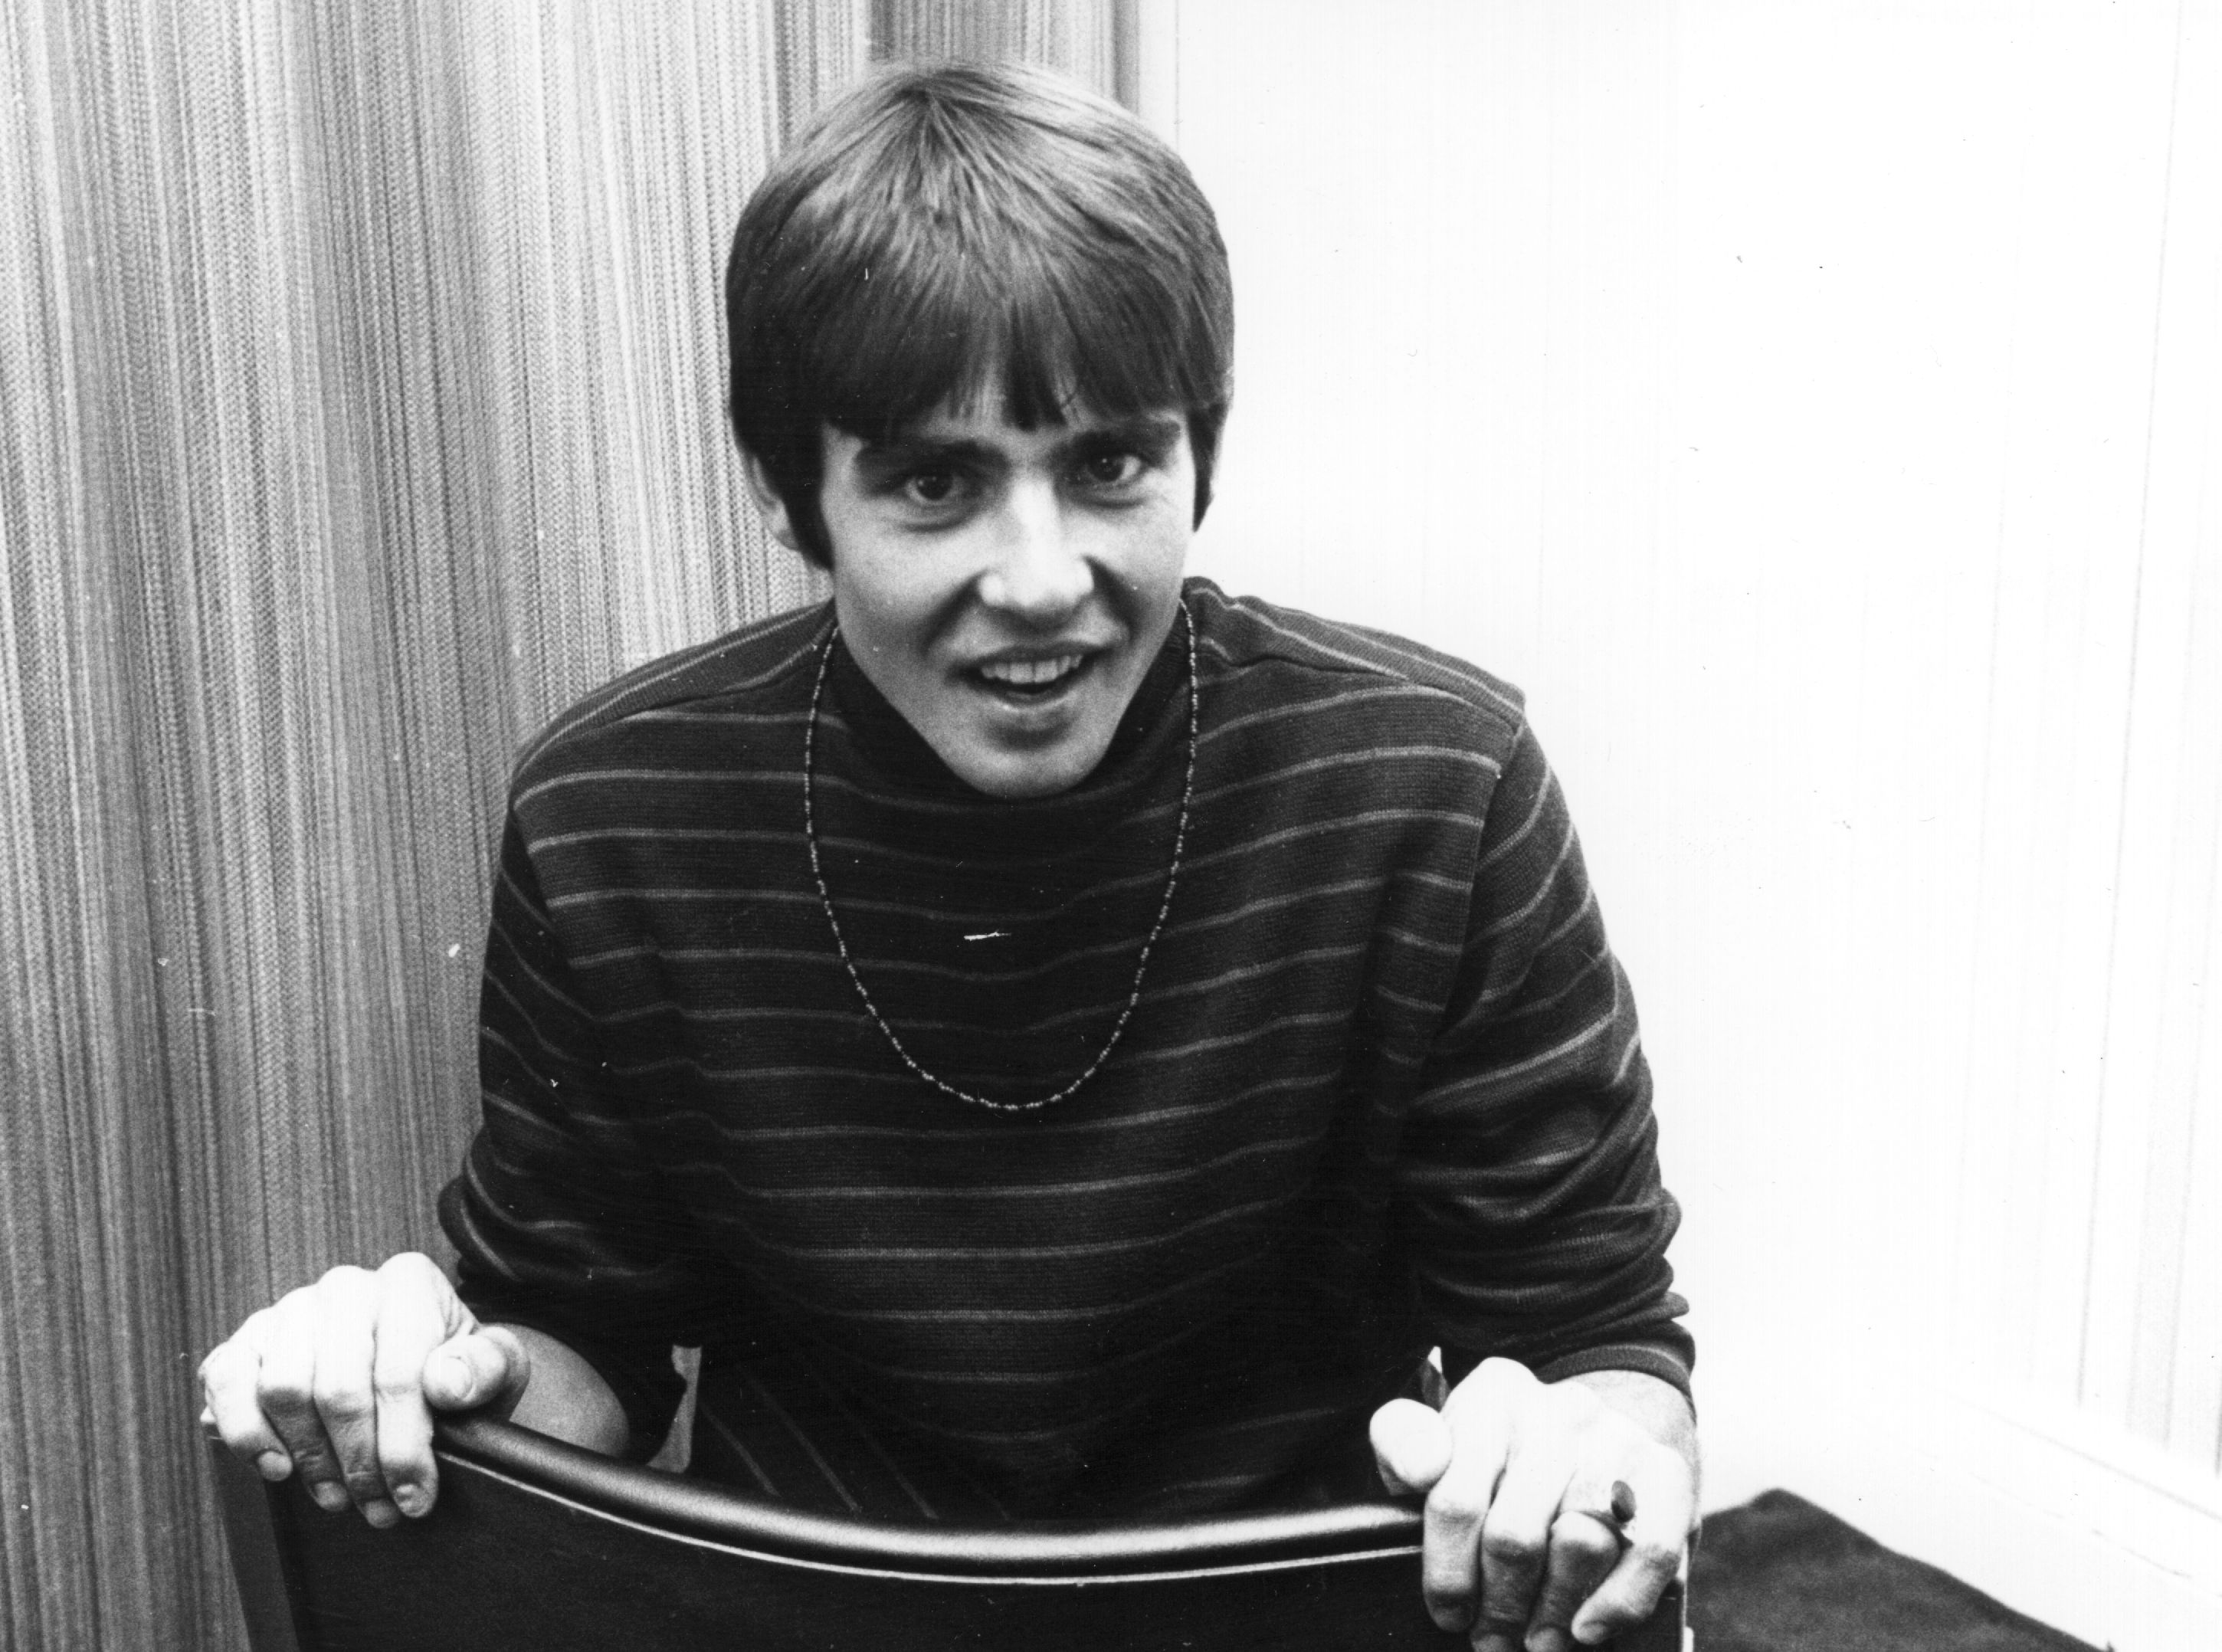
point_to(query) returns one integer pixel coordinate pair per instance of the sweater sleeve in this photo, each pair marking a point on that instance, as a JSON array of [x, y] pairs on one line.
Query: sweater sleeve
[[559, 1218], [1530, 1173]]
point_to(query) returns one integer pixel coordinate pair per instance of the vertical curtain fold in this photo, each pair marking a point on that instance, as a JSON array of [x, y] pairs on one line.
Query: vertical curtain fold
[[1097, 42], [360, 378]]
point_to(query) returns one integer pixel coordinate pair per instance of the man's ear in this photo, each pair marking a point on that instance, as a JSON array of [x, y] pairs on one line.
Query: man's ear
[[776, 519]]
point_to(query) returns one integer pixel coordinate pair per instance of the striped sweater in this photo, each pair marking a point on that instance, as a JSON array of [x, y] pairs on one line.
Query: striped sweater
[[1382, 1088]]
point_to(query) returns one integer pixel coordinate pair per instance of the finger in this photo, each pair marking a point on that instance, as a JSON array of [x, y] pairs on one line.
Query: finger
[[1515, 1538], [1451, 1523], [228, 1376], [1583, 1549], [347, 1354], [487, 1366], [1664, 1507], [285, 1388], [1411, 1447], [412, 1320]]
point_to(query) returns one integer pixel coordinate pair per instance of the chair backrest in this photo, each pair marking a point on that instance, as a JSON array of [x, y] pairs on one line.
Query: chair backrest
[[538, 1544]]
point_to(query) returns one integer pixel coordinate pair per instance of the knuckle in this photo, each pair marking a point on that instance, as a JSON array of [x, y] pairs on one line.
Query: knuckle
[[396, 1387], [1614, 1616], [345, 1278], [399, 1458], [1509, 1547], [1625, 1599], [1582, 1538], [1456, 1503], [342, 1402], [1658, 1559], [409, 1267], [243, 1433], [283, 1391], [1447, 1588]]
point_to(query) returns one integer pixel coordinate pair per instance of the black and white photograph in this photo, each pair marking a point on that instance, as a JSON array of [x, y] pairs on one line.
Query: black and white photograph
[[1129, 825]]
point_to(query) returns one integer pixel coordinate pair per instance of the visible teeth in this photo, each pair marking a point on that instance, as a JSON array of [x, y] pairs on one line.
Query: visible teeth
[[1030, 674]]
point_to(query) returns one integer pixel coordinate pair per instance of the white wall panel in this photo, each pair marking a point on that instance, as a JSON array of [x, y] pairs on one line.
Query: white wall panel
[[2150, 1362], [1817, 409]]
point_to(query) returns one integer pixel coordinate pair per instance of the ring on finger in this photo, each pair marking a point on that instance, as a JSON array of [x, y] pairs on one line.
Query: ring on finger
[[1619, 1510]]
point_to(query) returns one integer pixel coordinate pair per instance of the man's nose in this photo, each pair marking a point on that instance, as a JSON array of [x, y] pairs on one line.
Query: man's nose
[[1038, 574]]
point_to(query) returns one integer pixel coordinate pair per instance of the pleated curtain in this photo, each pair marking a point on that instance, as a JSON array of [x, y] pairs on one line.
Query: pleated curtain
[[361, 389]]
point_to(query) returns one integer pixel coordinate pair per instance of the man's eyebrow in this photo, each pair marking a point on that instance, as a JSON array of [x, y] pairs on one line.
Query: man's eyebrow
[[1153, 436], [907, 450], [1143, 431]]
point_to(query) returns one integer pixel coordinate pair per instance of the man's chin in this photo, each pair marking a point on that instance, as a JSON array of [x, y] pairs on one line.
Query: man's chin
[[1016, 782], [1016, 776]]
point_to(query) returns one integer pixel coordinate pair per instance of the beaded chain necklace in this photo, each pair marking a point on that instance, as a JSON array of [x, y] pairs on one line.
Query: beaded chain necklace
[[841, 945]]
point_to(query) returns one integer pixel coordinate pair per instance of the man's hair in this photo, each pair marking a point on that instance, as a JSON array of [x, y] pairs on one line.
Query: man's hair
[[940, 223]]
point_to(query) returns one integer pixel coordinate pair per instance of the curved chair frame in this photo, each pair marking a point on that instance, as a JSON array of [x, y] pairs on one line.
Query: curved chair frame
[[537, 1543]]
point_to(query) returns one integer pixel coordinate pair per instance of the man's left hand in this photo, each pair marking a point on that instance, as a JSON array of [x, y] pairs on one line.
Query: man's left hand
[[1520, 1546]]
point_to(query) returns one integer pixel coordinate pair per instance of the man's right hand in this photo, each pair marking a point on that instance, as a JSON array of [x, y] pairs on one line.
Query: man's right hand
[[339, 1379]]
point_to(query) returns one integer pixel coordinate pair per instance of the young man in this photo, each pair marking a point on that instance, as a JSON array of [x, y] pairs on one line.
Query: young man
[[1061, 1040]]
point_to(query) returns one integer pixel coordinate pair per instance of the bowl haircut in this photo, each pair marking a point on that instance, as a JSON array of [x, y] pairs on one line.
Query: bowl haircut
[[940, 227]]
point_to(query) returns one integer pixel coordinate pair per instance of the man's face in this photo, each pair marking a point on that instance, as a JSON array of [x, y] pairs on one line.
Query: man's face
[[1008, 589]]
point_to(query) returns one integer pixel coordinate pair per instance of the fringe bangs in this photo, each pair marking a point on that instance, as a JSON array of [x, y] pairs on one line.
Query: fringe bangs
[[1044, 323]]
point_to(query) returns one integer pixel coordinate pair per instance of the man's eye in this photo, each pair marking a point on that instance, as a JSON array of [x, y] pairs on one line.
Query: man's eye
[[1110, 470], [932, 486]]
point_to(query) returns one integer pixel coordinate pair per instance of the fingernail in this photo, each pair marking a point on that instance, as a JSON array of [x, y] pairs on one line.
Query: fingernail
[[381, 1513], [273, 1465], [411, 1500], [330, 1498]]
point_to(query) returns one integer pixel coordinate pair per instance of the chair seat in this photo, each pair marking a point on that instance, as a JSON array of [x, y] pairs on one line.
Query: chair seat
[[535, 1543]]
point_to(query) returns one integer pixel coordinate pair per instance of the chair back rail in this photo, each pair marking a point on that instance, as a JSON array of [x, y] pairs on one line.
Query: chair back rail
[[538, 1544]]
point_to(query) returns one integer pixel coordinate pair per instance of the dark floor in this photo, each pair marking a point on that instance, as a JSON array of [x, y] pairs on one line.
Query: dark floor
[[1779, 1575]]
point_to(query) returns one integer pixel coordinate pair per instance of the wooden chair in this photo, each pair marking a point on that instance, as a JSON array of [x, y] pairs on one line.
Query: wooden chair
[[537, 1544]]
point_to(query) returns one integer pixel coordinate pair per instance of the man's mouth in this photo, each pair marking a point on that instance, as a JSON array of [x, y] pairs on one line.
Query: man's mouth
[[1033, 679]]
